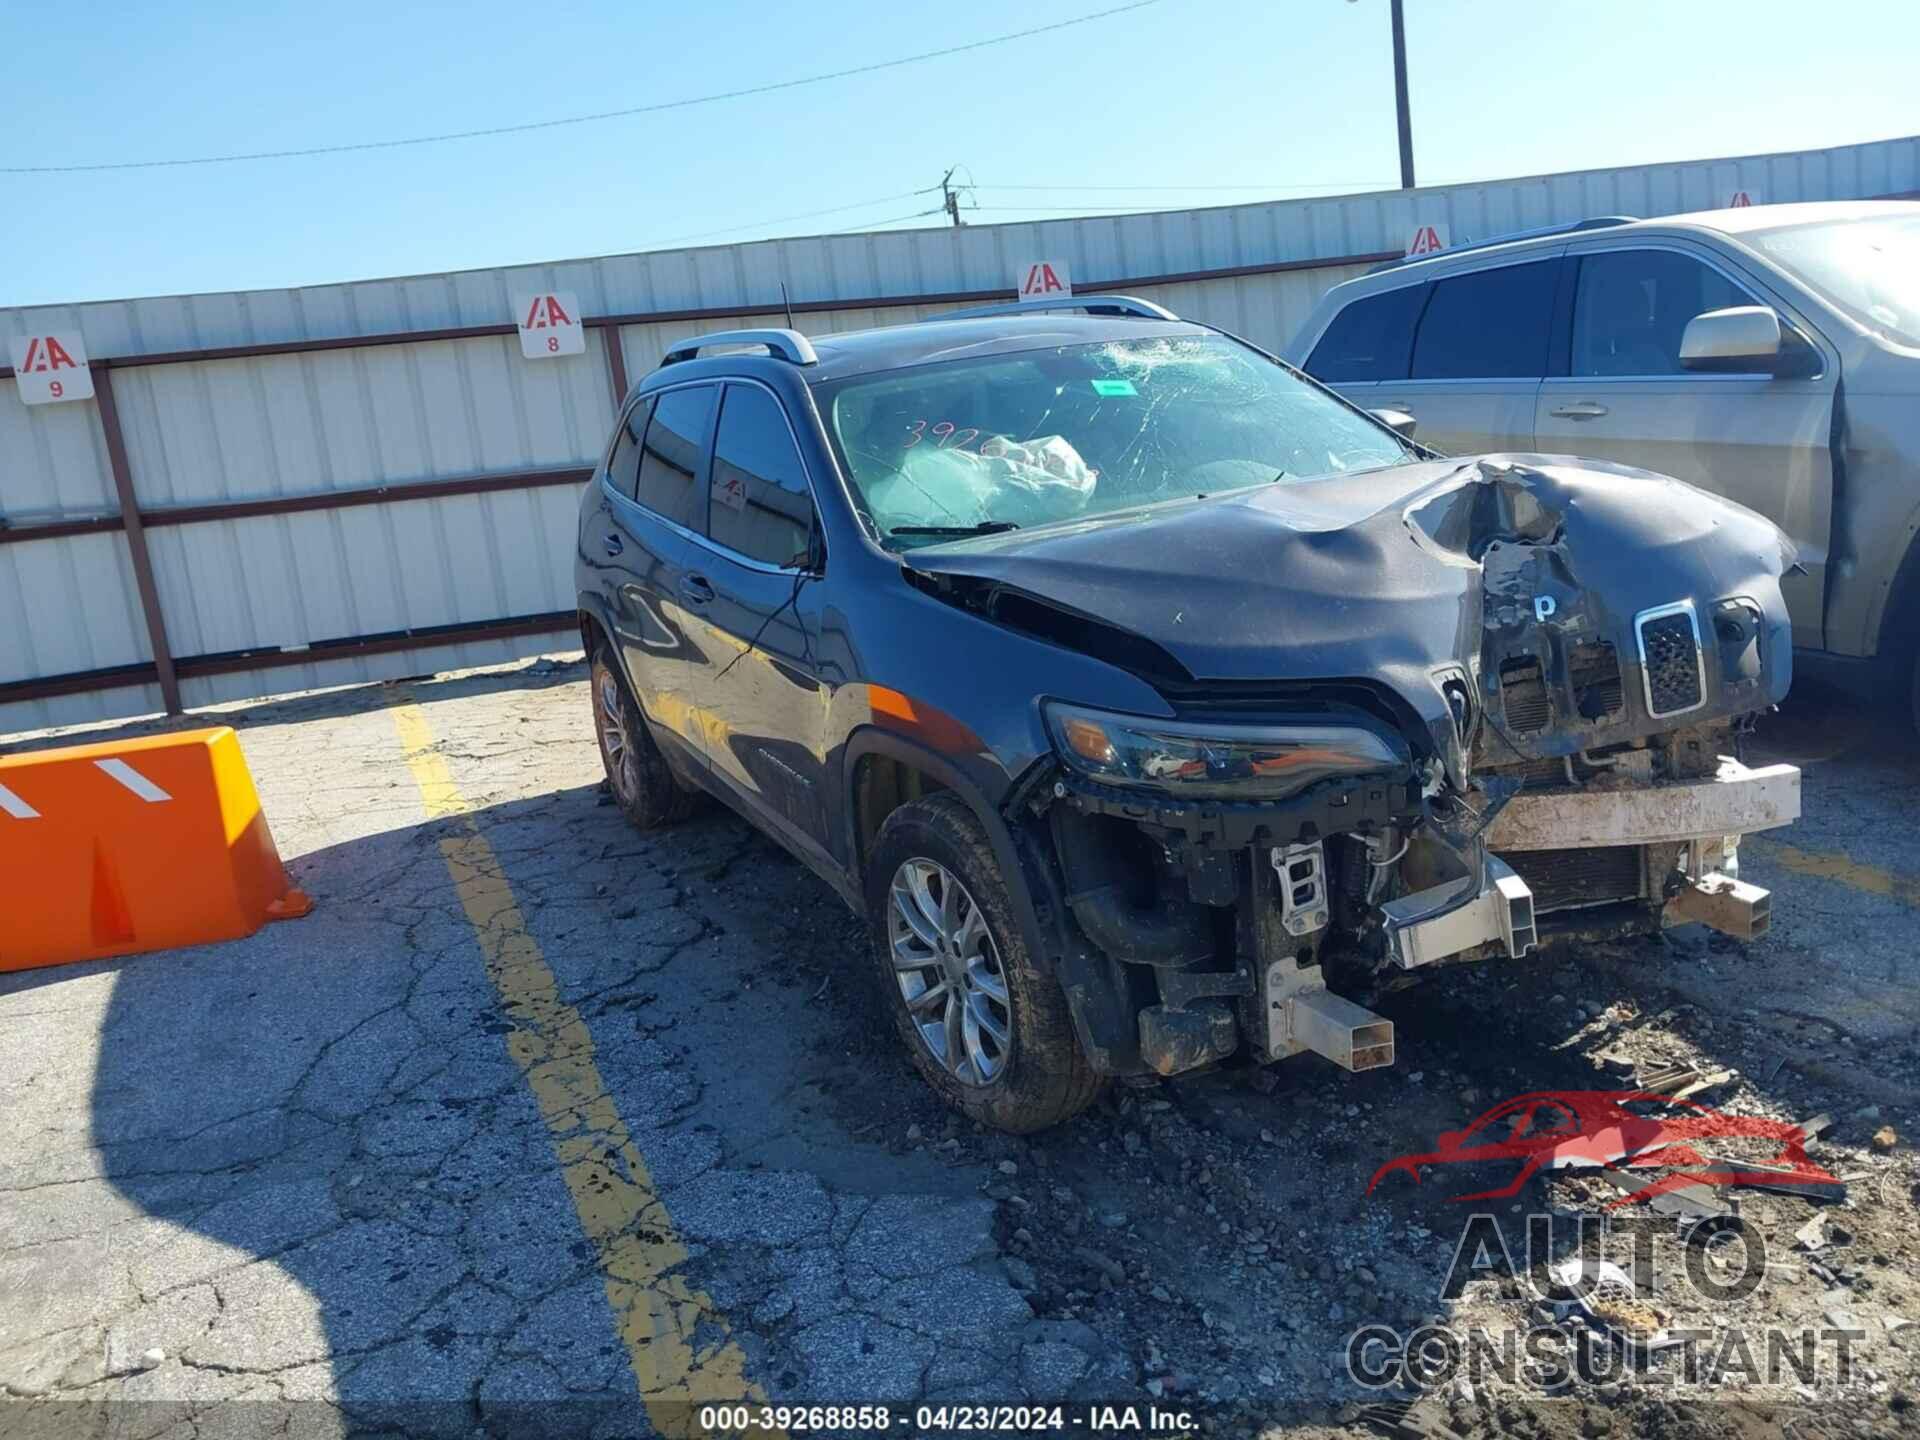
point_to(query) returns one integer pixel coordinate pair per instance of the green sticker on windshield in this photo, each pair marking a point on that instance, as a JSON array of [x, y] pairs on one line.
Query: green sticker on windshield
[[1114, 387]]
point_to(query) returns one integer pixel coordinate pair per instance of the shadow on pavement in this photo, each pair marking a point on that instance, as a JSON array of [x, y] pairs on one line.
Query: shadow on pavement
[[334, 1097], [562, 668]]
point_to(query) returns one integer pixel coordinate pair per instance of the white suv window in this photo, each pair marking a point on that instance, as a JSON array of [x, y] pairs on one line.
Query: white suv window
[[1488, 324], [1632, 307]]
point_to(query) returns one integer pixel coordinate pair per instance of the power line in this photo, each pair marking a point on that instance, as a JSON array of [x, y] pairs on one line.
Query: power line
[[766, 89], [916, 215], [810, 214], [1073, 207], [1318, 185]]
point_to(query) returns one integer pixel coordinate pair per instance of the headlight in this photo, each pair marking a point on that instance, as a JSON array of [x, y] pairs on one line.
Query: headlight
[[1239, 762]]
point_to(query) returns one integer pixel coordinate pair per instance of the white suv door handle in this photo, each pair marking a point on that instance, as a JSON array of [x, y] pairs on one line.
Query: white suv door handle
[[1580, 410]]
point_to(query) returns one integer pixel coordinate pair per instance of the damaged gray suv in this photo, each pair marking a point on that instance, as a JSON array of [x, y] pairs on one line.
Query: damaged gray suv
[[1154, 705]]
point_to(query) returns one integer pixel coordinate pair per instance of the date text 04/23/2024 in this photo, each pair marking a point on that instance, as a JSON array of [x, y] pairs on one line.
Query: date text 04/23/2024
[[745, 1421]]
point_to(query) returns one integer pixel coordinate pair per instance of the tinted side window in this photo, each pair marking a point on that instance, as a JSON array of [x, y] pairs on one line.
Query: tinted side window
[[1633, 306], [1369, 340], [624, 468], [670, 460], [1490, 325], [759, 502]]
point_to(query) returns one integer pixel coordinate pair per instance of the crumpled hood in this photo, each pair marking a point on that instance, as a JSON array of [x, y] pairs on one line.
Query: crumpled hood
[[1389, 574]]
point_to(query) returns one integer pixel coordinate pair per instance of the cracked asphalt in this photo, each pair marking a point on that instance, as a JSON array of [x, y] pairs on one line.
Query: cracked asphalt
[[318, 1166]]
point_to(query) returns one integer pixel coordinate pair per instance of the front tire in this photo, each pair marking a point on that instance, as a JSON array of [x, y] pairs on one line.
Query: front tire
[[987, 1030], [642, 783]]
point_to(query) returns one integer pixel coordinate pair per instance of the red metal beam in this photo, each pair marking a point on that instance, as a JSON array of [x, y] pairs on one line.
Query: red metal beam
[[616, 368], [59, 529], [136, 540], [124, 676], [296, 504], [368, 495]]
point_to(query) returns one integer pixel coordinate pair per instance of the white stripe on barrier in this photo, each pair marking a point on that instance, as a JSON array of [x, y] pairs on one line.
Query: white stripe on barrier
[[133, 780], [15, 806]]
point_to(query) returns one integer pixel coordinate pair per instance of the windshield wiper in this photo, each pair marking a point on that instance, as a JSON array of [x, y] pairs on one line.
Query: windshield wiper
[[985, 527]]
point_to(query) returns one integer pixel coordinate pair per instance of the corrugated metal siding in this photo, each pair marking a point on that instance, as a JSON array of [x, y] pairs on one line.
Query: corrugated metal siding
[[64, 604], [282, 425], [293, 425], [981, 257], [289, 425]]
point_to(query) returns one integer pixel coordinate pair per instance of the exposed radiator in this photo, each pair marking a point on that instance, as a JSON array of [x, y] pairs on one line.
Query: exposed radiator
[[1564, 879]]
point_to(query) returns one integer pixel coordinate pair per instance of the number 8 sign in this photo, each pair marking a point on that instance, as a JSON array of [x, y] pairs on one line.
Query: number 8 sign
[[549, 324]]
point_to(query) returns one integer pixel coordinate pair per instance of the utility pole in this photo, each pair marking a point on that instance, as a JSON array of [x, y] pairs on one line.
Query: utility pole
[[1400, 96], [951, 197]]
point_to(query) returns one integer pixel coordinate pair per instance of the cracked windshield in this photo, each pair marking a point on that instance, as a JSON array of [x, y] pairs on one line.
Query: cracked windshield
[[1008, 442]]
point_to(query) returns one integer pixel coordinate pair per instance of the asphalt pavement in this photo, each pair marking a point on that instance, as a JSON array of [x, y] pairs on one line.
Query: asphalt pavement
[[539, 1123]]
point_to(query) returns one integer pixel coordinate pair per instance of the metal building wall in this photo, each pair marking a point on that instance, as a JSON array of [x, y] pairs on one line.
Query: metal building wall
[[341, 416]]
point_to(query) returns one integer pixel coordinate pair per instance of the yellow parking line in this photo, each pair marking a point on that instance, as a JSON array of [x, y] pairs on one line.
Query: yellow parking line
[[639, 1255], [1838, 865]]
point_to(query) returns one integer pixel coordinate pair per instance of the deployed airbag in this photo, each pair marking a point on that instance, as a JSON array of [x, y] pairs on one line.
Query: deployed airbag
[[1028, 483]]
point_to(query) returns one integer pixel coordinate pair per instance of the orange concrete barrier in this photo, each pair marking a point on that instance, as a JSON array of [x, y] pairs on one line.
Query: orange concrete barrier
[[131, 846]]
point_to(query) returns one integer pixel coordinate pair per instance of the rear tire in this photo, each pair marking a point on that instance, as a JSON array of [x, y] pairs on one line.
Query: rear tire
[[987, 1030], [641, 781]]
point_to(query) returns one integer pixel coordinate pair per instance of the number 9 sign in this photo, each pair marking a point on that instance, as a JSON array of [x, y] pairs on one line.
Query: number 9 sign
[[50, 368]]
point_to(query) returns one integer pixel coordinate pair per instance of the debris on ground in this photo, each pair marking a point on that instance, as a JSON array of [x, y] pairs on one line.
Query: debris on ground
[[1691, 1202], [1682, 1082], [1608, 1297]]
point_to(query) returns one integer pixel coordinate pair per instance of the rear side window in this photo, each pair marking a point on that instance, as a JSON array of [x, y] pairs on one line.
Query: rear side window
[[1490, 325], [759, 504], [1633, 306], [1369, 340], [623, 470], [670, 459]]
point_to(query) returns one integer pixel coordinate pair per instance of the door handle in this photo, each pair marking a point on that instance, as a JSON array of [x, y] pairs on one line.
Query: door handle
[[1579, 410], [613, 543], [695, 589]]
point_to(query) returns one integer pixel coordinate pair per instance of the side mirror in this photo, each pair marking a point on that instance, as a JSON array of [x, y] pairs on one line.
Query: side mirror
[[1398, 421], [1744, 337]]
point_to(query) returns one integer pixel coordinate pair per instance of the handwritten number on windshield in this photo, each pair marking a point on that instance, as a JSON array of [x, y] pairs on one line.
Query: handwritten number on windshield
[[946, 435]]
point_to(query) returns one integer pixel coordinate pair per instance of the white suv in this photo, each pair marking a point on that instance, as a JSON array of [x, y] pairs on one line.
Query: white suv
[[1770, 354]]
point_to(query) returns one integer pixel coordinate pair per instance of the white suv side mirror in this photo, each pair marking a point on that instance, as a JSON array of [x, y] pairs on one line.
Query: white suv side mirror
[[1398, 421], [1744, 337]]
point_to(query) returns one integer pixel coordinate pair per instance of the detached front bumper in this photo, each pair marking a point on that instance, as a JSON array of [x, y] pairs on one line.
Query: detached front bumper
[[1736, 801], [1699, 820]]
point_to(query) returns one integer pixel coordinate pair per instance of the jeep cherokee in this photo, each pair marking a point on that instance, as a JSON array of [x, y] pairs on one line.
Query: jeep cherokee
[[1154, 705]]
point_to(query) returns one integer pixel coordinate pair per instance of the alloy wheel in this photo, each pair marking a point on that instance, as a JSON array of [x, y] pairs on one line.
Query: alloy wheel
[[613, 732], [949, 972]]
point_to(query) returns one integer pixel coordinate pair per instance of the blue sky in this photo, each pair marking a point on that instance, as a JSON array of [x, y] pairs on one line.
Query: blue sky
[[1291, 96]]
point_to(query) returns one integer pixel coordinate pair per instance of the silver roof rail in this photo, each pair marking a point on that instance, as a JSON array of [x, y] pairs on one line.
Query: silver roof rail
[[788, 345], [1092, 304], [1540, 232]]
